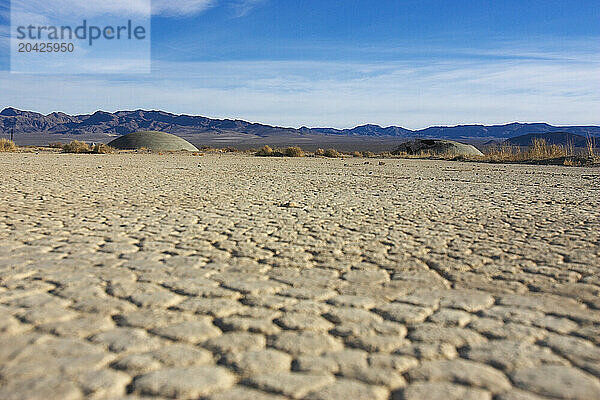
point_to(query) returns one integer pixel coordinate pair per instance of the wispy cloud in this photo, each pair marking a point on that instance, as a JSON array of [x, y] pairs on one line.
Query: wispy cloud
[[168, 8], [89, 9], [295, 93], [243, 7], [75, 8]]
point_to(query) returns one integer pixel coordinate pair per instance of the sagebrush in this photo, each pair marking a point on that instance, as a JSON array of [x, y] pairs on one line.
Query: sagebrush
[[7, 145], [293, 151], [76, 147]]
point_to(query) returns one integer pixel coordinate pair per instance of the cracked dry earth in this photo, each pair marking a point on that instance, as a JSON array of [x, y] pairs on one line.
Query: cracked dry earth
[[235, 277]]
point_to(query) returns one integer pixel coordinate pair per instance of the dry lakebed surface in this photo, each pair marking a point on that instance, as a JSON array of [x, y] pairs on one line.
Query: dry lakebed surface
[[146, 276]]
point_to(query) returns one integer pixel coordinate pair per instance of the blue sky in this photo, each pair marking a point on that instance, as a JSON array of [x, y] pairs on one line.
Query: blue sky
[[344, 63]]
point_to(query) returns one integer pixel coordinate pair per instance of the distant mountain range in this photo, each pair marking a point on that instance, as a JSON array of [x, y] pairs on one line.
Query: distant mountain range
[[124, 122]]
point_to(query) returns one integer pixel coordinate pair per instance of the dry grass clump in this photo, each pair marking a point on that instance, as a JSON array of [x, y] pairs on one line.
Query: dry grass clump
[[56, 145], [539, 150], [102, 148], [570, 147], [266, 151], [76, 147], [363, 154], [332, 153], [505, 152], [79, 147], [230, 149], [293, 151], [542, 150], [7, 145], [577, 161], [590, 143]]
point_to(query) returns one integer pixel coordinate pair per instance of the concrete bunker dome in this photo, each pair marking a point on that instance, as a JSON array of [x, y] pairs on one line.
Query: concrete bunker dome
[[152, 140], [438, 147]]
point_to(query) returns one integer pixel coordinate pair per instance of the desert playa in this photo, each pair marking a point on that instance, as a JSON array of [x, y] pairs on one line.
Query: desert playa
[[146, 276]]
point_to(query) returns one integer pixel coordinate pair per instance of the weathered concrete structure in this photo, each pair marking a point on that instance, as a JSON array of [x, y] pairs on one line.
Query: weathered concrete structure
[[437, 147], [152, 140]]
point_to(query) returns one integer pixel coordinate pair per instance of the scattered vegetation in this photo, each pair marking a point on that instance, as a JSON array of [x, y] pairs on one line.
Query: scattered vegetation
[[102, 149], [590, 144], [266, 151], [332, 153], [293, 151], [229, 149], [538, 151], [79, 147], [541, 150], [56, 145], [7, 145], [76, 147], [570, 147]]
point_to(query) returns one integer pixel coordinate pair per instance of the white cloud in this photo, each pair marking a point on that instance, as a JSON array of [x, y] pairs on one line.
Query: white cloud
[[89, 9], [334, 93], [179, 7], [243, 7], [77, 8]]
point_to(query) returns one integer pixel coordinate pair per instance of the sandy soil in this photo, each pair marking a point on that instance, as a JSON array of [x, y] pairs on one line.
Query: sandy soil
[[236, 277]]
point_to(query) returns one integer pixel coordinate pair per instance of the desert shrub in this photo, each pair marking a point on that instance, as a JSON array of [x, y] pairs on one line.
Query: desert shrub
[[505, 152], [357, 154], [266, 151], [294, 151], [7, 145], [102, 149], [320, 152], [76, 146], [56, 145], [538, 151], [368, 154], [542, 150], [570, 147], [572, 161], [332, 153]]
